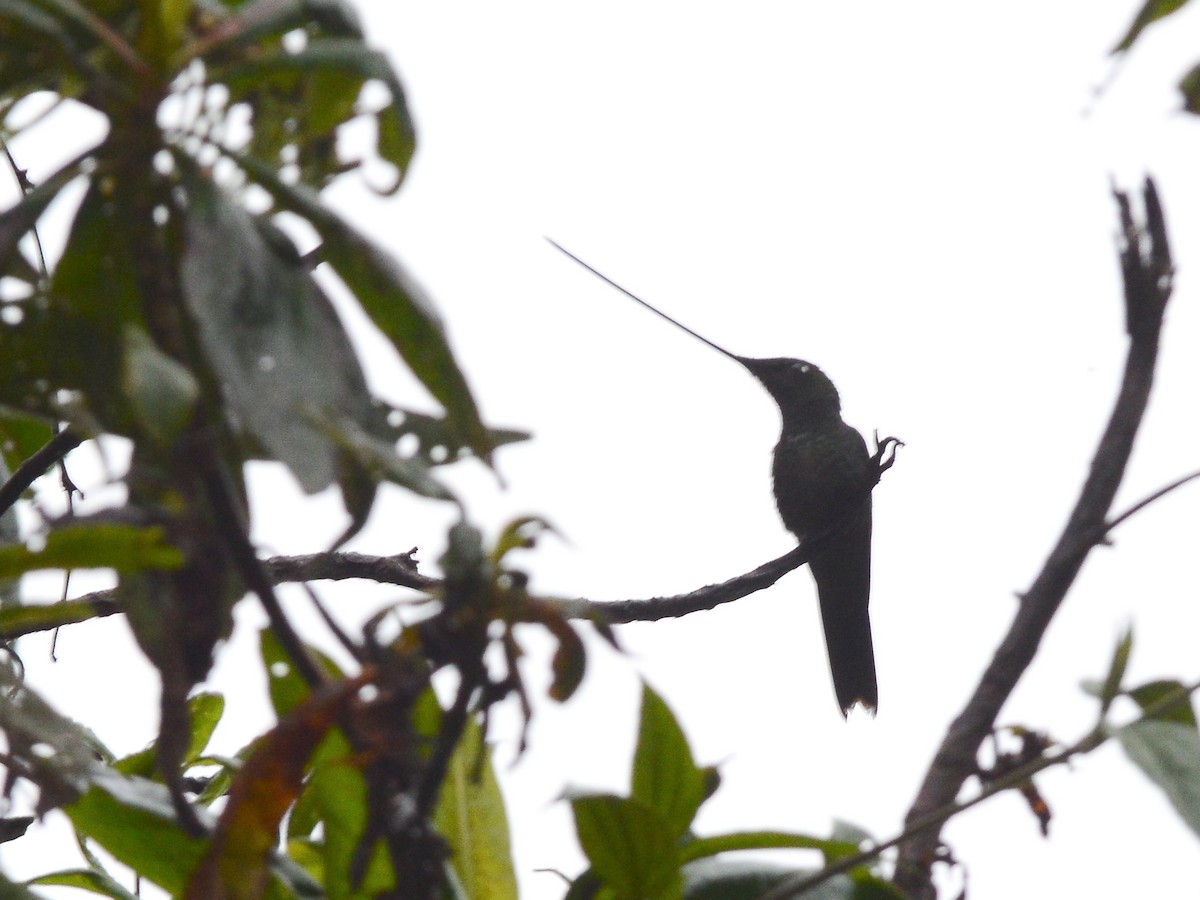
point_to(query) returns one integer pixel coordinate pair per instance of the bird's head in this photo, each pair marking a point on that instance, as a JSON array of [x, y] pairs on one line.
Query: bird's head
[[804, 393]]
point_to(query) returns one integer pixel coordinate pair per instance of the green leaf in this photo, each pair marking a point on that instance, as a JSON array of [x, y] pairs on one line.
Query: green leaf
[[379, 458], [846, 833], [11, 891], [94, 295], [1189, 86], [665, 776], [270, 334], [162, 392], [340, 794], [631, 847], [470, 815], [1169, 753], [335, 69], [1151, 11], [766, 840], [17, 220], [133, 820], [288, 689], [520, 533], [1166, 700], [125, 548], [18, 620], [21, 436], [436, 440], [392, 299], [204, 711], [236, 863], [93, 880], [1111, 687]]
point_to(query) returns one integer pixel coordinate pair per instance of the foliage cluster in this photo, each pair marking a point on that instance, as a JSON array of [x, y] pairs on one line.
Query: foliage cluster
[[183, 317]]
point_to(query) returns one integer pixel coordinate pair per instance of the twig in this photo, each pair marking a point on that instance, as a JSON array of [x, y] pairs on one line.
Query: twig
[[37, 465], [1097, 737], [1146, 501], [1146, 267]]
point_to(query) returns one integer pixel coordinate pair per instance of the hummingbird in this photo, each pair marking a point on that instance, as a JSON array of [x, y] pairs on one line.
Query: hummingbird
[[822, 476]]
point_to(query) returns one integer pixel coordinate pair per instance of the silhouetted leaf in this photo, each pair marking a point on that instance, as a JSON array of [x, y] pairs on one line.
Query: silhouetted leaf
[[94, 296], [271, 335], [18, 219], [712, 879], [1169, 753], [379, 458], [569, 662], [437, 443], [392, 299]]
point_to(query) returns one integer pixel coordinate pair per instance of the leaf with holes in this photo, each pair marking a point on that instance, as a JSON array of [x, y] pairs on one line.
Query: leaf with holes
[[393, 300], [271, 336], [299, 99]]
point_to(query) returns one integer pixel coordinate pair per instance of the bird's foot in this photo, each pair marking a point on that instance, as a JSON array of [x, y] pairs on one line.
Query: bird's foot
[[885, 454]]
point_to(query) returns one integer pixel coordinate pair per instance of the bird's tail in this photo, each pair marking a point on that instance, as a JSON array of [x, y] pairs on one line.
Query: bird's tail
[[843, 576]]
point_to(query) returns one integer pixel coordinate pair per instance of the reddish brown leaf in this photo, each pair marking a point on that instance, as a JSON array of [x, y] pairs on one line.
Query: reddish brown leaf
[[235, 866]]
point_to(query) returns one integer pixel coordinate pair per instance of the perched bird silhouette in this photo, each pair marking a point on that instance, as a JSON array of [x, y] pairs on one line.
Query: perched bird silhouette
[[822, 476]]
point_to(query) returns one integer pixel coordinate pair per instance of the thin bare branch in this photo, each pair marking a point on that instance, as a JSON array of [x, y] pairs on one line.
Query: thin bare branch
[[617, 612], [37, 465], [1146, 267], [1097, 737]]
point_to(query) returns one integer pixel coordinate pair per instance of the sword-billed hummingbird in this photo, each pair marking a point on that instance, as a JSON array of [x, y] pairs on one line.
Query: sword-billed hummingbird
[[822, 476]]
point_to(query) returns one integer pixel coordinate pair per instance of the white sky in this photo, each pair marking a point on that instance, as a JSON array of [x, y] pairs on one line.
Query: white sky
[[915, 197]]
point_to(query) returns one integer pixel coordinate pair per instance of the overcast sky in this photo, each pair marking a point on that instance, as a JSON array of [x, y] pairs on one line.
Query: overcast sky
[[915, 197]]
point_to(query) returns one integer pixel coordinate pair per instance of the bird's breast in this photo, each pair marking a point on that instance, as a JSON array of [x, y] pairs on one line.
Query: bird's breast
[[818, 475]]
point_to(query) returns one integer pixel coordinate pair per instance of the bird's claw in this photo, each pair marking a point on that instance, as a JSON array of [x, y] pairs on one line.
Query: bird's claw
[[885, 453]]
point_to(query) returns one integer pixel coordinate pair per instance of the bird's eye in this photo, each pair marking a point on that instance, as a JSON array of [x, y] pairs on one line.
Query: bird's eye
[[801, 367]]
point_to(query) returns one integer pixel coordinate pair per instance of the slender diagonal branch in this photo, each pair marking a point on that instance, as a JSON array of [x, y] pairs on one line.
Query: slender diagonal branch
[[37, 465], [1097, 737], [1147, 270]]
